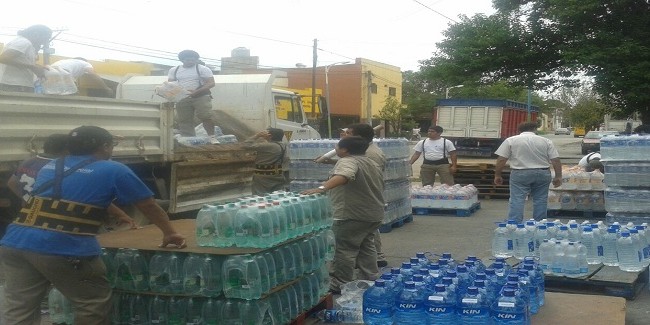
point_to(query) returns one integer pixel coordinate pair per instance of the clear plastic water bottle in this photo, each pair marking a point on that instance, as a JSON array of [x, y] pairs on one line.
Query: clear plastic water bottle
[[132, 272], [109, 261], [59, 307], [473, 308], [165, 272], [501, 241], [158, 310], [570, 267], [410, 309], [224, 220], [592, 245], [533, 289], [508, 309], [139, 314], [242, 277], [441, 307], [205, 225], [378, 303], [546, 256], [574, 232], [338, 316], [523, 240], [610, 254], [537, 275], [557, 267], [628, 254]]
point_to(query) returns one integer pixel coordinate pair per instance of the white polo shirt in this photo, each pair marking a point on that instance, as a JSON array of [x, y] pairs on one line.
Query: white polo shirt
[[527, 150]]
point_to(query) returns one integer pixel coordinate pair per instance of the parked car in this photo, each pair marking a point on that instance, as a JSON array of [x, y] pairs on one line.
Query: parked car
[[591, 141], [565, 131]]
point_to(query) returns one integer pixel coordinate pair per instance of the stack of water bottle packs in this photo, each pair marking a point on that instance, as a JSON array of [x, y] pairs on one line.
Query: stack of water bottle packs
[[444, 196], [568, 249], [445, 291], [262, 221], [307, 174], [580, 190], [286, 277], [627, 170]]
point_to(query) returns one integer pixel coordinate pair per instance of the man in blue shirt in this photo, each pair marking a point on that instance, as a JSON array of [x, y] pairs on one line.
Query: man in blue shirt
[[52, 239]]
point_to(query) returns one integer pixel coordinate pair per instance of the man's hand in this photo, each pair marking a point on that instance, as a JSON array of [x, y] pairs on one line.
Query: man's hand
[[557, 181], [498, 180], [174, 239], [453, 169], [312, 191], [39, 70]]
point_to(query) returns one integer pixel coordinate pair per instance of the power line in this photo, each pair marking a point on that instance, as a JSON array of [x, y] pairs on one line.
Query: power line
[[438, 12]]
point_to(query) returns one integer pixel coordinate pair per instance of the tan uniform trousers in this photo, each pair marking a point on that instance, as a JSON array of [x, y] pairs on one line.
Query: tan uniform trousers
[[28, 276], [428, 174], [355, 246]]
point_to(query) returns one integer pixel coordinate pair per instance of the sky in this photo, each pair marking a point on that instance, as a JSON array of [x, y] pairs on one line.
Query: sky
[[280, 32]]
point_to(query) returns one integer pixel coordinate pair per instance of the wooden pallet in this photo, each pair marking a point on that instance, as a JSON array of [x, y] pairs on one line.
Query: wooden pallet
[[494, 196], [457, 212], [601, 280], [326, 302], [583, 214], [388, 227]]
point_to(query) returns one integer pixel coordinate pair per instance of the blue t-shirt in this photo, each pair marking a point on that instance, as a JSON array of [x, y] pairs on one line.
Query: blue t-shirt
[[98, 184]]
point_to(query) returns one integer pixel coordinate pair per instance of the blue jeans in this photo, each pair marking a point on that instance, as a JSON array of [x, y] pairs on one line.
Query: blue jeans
[[522, 182]]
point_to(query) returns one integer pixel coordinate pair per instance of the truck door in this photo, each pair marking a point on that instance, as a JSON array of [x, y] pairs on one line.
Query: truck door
[[291, 118]]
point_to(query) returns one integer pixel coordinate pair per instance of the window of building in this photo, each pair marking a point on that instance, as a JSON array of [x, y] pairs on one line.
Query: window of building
[[373, 88], [392, 91]]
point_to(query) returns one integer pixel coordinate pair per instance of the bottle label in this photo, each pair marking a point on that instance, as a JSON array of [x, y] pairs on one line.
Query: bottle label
[[436, 298], [470, 300], [506, 304], [509, 316], [531, 246], [510, 245], [600, 250]]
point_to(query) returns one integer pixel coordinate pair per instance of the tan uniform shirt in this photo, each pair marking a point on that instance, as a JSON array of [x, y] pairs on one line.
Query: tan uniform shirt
[[361, 198]]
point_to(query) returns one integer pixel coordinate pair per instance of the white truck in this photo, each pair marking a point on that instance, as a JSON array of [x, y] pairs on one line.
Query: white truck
[[186, 177], [619, 125], [478, 126]]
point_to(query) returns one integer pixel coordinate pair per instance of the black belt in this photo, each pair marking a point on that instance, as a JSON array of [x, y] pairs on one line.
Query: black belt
[[532, 169], [64, 216]]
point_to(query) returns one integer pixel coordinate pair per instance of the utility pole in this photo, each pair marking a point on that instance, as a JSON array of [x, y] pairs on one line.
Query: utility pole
[[313, 78], [369, 99]]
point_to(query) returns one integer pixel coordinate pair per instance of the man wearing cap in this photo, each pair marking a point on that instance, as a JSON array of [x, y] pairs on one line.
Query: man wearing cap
[[52, 241], [197, 79], [18, 67], [271, 162]]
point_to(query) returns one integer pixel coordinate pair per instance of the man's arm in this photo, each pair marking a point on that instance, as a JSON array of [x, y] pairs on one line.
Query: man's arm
[[121, 216], [10, 57], [334, 181], [415, 157], [454, 162], [14, 185], [208, 83], [501, 163], [557, 167], [159, 217]]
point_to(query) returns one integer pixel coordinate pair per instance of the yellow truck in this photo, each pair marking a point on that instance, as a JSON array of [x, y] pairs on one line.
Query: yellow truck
[[579, 131]]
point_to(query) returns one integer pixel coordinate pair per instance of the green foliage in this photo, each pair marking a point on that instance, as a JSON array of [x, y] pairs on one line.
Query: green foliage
[[547, 45], [396, 114]]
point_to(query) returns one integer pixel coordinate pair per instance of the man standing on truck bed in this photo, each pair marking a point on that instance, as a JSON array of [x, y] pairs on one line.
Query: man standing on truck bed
[[529, 156], [271, 162], [18, 67], [436, 149], [197, 79], [53, 239]]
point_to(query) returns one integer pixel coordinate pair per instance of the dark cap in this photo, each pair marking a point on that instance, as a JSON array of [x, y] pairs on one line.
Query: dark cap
[[594, 164], [188, 54], [85, 140]]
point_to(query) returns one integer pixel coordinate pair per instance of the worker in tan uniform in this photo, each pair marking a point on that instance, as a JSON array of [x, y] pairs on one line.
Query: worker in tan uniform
[[272, 161]]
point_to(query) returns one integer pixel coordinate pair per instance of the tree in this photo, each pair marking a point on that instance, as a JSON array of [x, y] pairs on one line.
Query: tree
[[546, 44], [396, 114], [585, 107]]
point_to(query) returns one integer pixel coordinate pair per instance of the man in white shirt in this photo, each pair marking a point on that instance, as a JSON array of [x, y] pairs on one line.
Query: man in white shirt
[[18, 68], [437, 151], [197, 79], [591, 162], [80, 67], [529, 156]]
